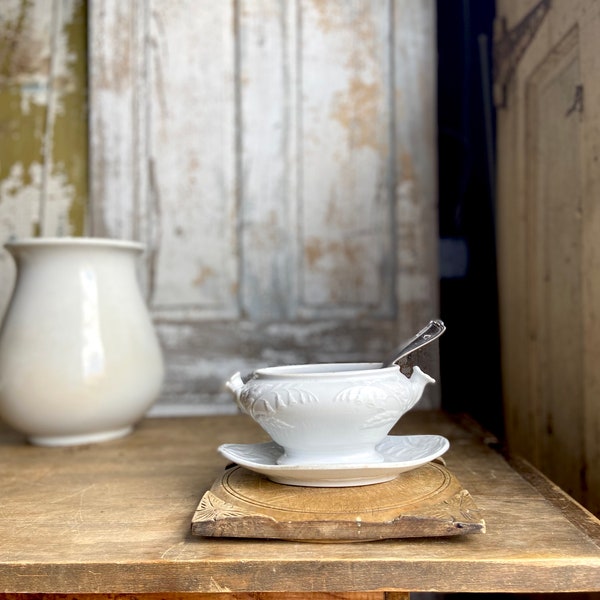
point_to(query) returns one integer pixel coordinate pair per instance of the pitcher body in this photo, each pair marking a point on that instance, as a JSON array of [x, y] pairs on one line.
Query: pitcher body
[[80, 361]]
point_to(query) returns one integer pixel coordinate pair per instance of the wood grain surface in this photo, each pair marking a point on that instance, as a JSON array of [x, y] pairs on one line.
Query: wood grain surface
[[217, 596], [115, 518]]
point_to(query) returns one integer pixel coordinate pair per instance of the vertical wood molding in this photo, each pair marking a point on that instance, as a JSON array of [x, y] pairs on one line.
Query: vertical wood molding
[[590, 142], [415, 132], [267, 92], [192, 151], [114, 75]]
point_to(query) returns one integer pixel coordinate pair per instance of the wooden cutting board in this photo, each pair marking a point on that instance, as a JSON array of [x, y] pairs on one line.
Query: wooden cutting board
[[428, 501]]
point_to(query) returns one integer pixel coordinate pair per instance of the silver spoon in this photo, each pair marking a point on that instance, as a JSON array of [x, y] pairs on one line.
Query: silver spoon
[[430, 332]]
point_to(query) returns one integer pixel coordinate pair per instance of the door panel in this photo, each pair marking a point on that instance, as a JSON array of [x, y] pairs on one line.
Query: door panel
[[278, 160]]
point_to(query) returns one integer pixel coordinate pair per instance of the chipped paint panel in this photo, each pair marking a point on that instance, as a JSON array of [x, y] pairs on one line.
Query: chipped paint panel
[[253, 145], [192, 145], [163, 147], [346, 166], [69, 131], [415, 182], [42, 107], [43, 122], [118, 173]]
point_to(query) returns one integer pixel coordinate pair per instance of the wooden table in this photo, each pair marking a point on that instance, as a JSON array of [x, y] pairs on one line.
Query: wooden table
[[114, 518]]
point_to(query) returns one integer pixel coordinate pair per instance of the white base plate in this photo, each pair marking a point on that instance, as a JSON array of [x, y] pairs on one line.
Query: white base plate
[[401, 453]]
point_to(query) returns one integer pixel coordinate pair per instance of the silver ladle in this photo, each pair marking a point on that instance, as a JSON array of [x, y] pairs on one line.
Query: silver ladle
[[430, 332]]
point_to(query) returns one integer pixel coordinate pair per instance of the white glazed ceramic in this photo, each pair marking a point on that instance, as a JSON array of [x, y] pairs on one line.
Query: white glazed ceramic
[[79, 358], [329, 413], [401, 453]]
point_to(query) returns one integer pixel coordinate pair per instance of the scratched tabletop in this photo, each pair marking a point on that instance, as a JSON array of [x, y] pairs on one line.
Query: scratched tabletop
[[115, 517]]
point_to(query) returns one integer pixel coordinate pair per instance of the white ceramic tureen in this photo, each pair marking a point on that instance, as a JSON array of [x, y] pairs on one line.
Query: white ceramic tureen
[[328, 413]]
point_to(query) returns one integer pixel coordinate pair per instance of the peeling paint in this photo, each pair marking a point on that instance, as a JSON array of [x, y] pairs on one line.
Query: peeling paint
[[70, 126], [332, 16], [349, 251], [323, 9], [43, 112], [24, 133], [344, 265], [19, 192], [43, 122]]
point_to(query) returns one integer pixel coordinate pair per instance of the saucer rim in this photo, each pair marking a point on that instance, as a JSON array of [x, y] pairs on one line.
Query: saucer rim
[[325, 467]]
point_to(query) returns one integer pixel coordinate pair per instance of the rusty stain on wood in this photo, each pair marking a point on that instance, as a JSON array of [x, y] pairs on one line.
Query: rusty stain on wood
[[340, 260], [356, 110], [338, 253], [205, 272]]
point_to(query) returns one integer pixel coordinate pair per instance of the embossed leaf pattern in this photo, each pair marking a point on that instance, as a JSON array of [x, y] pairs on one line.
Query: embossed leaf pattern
[[266, 453], [372, 392], [270, 421], [376, 395], [385, 417], [264, 399], [413, 447], [370, 395]]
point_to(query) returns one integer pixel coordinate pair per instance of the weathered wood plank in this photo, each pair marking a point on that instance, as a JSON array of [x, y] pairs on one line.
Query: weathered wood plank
[[589, 157], [43, 155], [201, 359], [192, 156], [345, 195], [114, 82], [268, 89], [555, 246], [548, 233], [217, 596]]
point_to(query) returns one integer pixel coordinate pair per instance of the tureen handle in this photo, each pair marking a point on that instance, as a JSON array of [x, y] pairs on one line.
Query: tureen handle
[[236, 384]]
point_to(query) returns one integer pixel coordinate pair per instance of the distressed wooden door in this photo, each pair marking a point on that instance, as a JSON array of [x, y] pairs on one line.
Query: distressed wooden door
[[278, 159], [43, 123], [548, 101]]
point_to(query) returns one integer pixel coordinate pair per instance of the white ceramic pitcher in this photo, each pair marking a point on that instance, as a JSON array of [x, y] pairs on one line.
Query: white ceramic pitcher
[[80, 361]]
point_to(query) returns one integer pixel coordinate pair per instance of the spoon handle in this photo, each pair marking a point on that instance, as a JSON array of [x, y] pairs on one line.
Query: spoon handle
[[430, 332]]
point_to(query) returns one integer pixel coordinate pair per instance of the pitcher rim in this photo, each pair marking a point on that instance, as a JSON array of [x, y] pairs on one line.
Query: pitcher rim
[[25, 242]]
